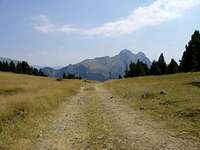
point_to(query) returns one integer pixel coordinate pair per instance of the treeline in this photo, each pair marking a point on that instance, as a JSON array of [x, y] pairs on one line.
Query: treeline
[[190, 62], [20, 67], [71, 76]]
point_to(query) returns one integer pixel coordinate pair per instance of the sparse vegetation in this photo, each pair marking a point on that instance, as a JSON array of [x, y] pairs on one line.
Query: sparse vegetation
[[71, 76], [26, 104]]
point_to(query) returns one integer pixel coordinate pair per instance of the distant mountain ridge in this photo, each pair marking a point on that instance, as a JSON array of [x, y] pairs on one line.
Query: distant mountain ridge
[[100, 68]]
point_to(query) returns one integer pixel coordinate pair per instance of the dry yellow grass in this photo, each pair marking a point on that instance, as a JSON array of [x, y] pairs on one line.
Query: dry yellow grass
[[172, 100], [26, 103]]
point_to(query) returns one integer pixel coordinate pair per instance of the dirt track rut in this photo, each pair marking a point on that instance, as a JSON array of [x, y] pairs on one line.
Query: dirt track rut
[[95, 119]]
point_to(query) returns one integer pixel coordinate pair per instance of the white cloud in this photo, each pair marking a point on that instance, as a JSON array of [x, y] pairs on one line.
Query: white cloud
[[43, 24], [158, 12]]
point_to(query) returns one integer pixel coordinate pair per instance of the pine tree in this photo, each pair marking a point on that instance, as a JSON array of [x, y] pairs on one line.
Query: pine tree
[[19, 68], [1, 66], [6, 66], [126, 73], [162, 64], [119, 77], [172, 67], [12, 67], [145, 67], [155, 69], [41, 73], [191, 57], [33, 71], [64, 76], [25, 68], [141, 69]]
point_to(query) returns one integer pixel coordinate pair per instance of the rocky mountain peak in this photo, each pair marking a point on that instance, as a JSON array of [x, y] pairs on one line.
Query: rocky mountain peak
[[126, 52]]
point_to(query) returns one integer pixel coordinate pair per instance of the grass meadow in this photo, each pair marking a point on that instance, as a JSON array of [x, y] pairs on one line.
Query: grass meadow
[[26, 104], [173, 100]]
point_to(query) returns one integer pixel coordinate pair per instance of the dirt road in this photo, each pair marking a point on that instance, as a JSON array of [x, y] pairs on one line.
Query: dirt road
[[95, 119]]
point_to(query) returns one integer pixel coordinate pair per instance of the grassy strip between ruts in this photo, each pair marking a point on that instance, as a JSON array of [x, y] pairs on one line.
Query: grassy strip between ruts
[[103, 133]]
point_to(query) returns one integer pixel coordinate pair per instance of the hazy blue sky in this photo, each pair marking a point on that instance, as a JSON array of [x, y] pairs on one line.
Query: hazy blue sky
[[60, 32]]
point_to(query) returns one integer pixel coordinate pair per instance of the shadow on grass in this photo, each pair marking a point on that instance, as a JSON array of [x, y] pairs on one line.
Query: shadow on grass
[[197, 84], [189, 113], [11, 91]]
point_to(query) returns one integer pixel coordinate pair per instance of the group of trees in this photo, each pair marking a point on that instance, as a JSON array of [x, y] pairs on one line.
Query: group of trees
[[157, 68], [160, 67], [71, 76], [191, 57], [190, 62], [138, 69], [20, 67]]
